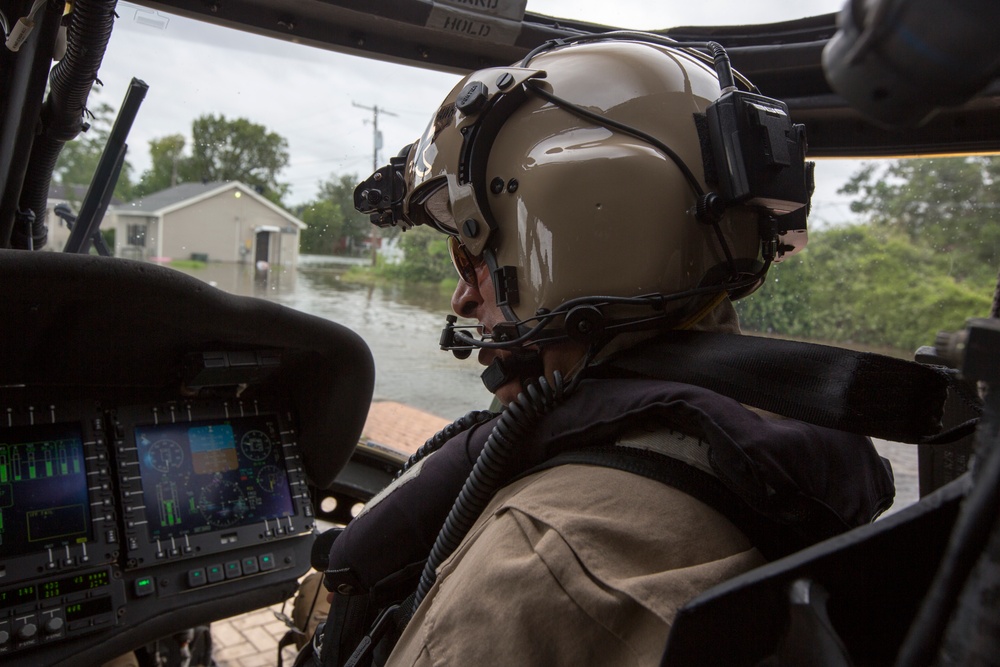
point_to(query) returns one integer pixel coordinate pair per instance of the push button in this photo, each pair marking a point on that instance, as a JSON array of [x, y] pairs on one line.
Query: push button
[[144, 586], [233, 569], [196, 577], [214, 573], [250, 565], [26, 635], [53, 625], [267, 562]]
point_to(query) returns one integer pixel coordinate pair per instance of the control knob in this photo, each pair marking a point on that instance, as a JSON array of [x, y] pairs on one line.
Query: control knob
[[26, 632]]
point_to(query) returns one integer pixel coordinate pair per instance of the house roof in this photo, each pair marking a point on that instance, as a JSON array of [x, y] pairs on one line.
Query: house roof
[[75, 193], [187, 194], [153, 203]]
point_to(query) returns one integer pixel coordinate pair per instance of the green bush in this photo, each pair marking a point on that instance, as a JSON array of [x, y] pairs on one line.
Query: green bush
[[864, 286], [425, 259]]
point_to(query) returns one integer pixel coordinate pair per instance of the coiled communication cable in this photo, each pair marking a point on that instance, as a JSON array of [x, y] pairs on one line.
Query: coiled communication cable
[[491, 470], [434, 443]]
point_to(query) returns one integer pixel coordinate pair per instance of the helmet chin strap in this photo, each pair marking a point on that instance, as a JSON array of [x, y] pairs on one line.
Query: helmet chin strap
[[519, 364]]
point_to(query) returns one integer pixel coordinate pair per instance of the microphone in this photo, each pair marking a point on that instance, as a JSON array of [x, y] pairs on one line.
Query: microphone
[[462, 349]]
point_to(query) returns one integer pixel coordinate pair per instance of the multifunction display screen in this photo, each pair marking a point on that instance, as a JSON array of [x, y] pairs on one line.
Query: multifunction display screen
[[209, 475], [43, 489]]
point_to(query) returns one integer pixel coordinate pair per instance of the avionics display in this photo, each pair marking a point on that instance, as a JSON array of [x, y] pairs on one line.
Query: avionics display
[[44, 502], [208, 475]]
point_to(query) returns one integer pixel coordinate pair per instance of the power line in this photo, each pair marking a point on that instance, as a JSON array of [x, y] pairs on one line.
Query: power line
[[376, 145], [376, 135]]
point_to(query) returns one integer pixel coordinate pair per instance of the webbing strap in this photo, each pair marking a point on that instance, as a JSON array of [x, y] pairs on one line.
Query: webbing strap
[[856, 392], [770, 537]]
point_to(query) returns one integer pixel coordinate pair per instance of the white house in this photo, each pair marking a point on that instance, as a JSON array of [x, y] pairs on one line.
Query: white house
[[73, 196], [220, 221]]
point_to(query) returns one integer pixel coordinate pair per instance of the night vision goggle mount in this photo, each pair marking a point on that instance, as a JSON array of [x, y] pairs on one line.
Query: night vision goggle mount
[[381, 194]]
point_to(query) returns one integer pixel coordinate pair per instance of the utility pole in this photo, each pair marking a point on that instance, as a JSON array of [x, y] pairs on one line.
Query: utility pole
[[376, 147]]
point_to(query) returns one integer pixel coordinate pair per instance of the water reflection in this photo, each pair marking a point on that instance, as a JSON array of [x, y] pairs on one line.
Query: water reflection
[[245, 280], [401, 324]]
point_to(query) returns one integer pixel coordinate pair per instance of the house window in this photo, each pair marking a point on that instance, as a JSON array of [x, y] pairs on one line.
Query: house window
[[136, 235]]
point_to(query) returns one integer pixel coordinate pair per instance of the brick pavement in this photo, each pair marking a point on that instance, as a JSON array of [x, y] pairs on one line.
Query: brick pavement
[[251, 639], [400, 426]]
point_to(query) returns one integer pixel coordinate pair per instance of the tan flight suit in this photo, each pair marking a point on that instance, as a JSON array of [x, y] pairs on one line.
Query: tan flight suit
[[575, 565]]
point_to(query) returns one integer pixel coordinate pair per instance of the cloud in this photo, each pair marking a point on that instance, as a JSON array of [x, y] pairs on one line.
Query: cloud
[[304, 94]]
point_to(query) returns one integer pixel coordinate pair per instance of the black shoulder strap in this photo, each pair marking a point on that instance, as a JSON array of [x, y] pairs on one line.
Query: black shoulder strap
[[856, 392], [771, 538]]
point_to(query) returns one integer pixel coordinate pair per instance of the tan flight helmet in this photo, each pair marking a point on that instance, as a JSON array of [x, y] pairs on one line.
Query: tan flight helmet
[[579, 179]]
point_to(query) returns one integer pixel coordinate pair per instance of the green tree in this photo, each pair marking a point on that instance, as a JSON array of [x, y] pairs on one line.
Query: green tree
[[782, 305], [924, 259], [951, 205], [325, 222], [221, 150], [168, 165], [863, 285], [79, 157], [237, 150], [332, 217]]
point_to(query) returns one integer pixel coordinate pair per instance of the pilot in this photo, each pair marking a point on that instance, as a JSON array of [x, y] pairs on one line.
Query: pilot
[[588, 221]]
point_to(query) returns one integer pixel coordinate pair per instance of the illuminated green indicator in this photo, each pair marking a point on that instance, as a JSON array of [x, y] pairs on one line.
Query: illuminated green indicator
[[144, 587], [48, 469], [3, 465], [50, 589], [168, 510], [76, 466]]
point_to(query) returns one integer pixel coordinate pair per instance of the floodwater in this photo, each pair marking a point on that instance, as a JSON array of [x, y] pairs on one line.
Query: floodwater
[[402, 324]]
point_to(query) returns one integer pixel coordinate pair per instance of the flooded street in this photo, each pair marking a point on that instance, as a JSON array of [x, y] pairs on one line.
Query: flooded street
[[402, 324]]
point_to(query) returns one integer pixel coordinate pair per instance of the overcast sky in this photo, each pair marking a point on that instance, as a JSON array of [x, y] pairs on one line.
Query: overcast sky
[[309, 95]]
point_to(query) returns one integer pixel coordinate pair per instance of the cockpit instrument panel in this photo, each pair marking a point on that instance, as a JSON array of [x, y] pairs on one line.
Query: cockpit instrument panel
[[59, 535], [205, 477], [113, 515], [155, 439], [44, 504]]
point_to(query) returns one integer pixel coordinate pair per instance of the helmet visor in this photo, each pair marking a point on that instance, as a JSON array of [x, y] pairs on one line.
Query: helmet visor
[[465, 262], [432, 206]]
